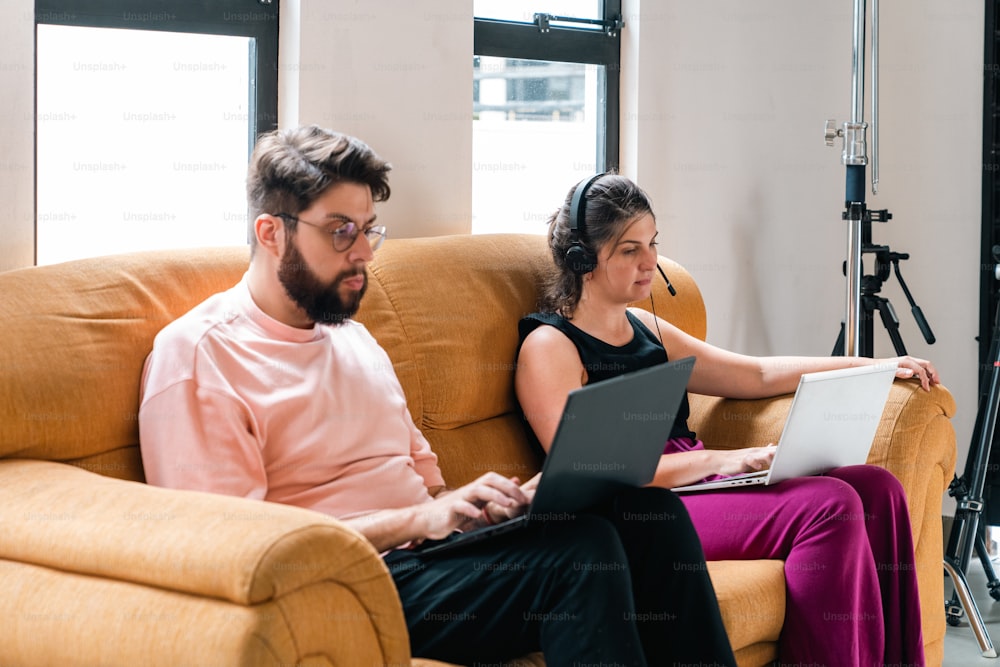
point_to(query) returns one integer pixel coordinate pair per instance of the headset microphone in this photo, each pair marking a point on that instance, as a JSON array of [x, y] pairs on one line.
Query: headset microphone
[[652, 306], [670, 288]]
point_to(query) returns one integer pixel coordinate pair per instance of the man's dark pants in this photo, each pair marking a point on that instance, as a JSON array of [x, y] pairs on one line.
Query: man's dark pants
[[622, 584]]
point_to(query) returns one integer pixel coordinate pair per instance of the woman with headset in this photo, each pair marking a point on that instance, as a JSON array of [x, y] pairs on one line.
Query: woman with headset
[[845, 536]]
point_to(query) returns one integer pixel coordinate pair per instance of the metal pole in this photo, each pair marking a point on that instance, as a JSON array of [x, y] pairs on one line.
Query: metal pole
[[874, 97], [858, 64], [855, 158]]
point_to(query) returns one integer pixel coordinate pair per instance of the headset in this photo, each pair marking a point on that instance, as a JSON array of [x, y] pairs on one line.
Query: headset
[[579, 258], [582, 260]]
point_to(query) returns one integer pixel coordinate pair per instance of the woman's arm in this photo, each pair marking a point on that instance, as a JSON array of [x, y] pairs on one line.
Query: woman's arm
[[548, 368], [719, 372]]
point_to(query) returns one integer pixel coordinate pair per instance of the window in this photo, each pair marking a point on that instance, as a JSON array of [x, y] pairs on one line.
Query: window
[[545, 106], [145, 116]]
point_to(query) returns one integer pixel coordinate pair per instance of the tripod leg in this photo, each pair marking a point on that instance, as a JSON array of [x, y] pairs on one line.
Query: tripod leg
[[866, 335], [838, 347], [971, 502], [891, 323], [961, 544], [972, 610], [953, 610], [992, 583]]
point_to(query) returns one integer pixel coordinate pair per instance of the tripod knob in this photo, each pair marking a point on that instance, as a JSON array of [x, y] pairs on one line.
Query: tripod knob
[[831, 132]]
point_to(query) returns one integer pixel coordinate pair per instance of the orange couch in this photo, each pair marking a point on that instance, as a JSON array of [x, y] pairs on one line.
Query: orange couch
[[99, 568]]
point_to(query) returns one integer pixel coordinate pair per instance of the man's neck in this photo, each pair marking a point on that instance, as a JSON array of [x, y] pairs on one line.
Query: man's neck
[[267, 292]]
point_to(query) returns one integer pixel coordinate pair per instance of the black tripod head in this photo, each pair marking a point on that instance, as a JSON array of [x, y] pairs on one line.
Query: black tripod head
[[885, 258], [886, 261]]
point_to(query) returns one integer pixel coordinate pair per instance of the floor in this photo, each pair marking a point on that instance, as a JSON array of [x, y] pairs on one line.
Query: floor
[[960, 646]]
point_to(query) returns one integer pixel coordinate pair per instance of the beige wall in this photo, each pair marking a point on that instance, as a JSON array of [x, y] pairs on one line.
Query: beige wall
[[398, 74], [723, 109], [17, 128]]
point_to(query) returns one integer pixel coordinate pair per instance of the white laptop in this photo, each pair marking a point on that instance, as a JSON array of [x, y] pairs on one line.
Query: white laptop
[[831, 423]]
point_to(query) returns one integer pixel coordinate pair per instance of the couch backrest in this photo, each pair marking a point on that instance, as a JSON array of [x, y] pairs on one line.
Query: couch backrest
[[445, 308], [76, 337]]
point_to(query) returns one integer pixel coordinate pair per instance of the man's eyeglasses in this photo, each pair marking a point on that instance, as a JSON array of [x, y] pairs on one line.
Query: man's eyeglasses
[[346, 234]]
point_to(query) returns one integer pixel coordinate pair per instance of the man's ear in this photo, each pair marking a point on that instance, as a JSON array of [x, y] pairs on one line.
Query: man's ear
[[270, 233]]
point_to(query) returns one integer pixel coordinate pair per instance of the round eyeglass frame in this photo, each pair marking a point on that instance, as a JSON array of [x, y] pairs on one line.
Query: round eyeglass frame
[[345, 235]]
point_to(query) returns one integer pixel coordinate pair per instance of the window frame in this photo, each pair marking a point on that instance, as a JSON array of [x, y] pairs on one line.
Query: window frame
[[559, 42], [258, 20]]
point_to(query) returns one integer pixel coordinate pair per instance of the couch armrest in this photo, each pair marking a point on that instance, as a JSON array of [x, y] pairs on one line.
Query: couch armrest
[[915, 439], [916, 442], [243, 551], [916, 435]]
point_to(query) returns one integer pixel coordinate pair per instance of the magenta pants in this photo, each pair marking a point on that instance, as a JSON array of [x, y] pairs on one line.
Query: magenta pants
[[850, 573]]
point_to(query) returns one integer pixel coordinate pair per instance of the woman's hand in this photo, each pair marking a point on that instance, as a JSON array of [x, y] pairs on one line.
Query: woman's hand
[[923, 370], [750, 459]]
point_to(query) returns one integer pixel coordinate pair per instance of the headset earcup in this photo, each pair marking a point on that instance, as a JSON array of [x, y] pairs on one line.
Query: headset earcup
[[580, 260], [579, 257]]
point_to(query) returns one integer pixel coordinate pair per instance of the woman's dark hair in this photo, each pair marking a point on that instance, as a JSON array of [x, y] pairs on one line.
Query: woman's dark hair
[[290, 169], [609, 205]]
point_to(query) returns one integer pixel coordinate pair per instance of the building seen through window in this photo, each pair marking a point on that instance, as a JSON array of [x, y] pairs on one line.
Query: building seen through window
[[528, 89], [544, 107]]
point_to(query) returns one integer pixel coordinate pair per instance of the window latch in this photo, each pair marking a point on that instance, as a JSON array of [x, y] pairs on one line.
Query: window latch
[[610, 26]]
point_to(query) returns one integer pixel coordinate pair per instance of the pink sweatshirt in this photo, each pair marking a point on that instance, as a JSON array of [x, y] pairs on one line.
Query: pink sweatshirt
[[235, 402]]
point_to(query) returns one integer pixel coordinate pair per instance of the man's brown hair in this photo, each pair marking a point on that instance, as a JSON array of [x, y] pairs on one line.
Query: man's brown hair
[[290, 169]]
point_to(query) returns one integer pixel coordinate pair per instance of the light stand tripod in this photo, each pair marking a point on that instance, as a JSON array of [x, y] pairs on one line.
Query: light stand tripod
[[870, 301], [863, 291], [966, 530], [855, 159]]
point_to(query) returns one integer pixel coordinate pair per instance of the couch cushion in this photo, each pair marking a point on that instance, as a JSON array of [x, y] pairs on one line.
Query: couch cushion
[[751, 595], [446, 310]]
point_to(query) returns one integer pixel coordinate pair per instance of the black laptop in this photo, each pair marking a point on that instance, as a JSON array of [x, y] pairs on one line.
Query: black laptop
[[611, 436]]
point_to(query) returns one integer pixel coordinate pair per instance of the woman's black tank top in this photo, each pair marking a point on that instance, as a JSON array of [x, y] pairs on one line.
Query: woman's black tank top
[[603, 361]]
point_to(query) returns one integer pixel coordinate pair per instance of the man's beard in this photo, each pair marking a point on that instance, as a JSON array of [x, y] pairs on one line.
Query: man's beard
[[321, 302]]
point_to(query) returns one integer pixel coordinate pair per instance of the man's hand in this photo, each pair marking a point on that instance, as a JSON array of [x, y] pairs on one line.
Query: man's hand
[[462, 508], [494, 513]]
